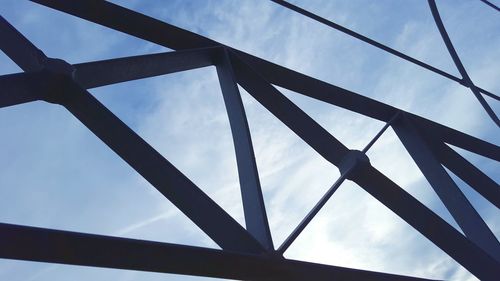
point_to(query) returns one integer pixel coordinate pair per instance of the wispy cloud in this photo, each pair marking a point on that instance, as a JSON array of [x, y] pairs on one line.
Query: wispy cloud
[[183, 117]]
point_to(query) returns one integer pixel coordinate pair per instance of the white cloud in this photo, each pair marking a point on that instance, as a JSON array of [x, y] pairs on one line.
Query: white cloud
[[183, 117]]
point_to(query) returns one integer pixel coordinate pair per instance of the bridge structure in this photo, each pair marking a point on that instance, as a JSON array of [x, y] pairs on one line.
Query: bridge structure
[[247, 253]]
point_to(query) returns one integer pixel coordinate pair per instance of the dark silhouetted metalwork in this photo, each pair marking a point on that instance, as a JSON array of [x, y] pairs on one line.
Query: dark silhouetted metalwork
[[491, 5], [465, 80], [247, 254]]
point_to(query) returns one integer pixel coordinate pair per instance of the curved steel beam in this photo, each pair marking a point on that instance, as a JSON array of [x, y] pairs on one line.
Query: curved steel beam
[[458, 63]]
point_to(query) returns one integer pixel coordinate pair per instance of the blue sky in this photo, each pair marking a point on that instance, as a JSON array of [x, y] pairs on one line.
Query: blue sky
[[55, 173]]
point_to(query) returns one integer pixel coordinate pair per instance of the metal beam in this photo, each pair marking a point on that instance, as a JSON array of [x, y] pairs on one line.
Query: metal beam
[[491, 5], [379, 134], [251, 192], [291, 115], [317, 89], [314, 211], [65, 247], [320, 90], [474, 177], [184, 194], [131, 22], [376, 44], [106, 72], [404, 205], [21, 88], [255, 75], [450, 194], [19, 49], [434, 228]]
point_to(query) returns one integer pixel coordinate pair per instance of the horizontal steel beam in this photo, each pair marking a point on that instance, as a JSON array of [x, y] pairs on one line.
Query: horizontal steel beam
[[56, 246], [21, 88], [106, 72]]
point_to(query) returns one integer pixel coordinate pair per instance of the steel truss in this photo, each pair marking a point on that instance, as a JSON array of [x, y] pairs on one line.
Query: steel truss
[[247, 254]]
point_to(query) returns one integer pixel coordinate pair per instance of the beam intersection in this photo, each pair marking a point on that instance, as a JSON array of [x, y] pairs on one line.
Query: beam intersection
[[247, 253]]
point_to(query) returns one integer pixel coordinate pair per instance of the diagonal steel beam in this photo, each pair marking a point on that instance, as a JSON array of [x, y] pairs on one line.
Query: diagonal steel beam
[[106, 72], [434, 228], [320, 90], [457, 138], [147, 28], [19, 49], [131, 22], [251, 192], [290, 114], [491, 5], [184, 194], [455, 201], [458, 62], [65, 247], [477, 261], [463, 169], [317, 89], [314, 211]]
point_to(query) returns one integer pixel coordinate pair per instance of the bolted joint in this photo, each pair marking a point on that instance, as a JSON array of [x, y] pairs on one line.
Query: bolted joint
[[353, 163], [59, 76]]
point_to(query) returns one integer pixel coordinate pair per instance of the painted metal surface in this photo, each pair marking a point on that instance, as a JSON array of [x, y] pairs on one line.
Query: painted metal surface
[[246, 254]]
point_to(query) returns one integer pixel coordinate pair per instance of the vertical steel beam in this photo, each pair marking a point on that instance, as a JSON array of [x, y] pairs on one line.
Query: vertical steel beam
[[455, 201], [251, 191]]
